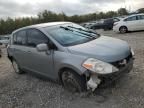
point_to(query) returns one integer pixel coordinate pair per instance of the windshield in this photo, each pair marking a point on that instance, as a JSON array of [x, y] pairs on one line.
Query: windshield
[[71, 34]]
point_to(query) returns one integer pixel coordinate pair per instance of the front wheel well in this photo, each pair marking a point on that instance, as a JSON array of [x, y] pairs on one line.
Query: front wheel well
[[123, 26], [66, 68]]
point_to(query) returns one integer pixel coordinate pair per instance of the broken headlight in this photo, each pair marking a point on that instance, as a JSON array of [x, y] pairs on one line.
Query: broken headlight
[[98, 66]]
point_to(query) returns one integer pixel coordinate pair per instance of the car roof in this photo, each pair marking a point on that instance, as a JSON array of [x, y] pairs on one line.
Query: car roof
[[133, 15], [42, 25], [136, 14], [47, 24]]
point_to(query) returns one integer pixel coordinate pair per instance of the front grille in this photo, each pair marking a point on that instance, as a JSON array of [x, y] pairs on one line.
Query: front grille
[[122, 63]]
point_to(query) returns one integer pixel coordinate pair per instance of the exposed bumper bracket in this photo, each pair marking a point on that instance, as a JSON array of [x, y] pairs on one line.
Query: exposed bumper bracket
[[93, 82]]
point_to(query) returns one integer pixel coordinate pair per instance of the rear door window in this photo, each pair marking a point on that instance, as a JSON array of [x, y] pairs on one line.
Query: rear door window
[[141, 17], [20, 38], [36, 37]]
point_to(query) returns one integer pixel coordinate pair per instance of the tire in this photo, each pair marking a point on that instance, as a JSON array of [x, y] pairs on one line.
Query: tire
[[16, 67], [72, 81], [123, 29]]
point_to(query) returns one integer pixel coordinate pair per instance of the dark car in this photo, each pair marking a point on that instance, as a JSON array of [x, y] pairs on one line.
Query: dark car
[[108, 23], [98, 25]]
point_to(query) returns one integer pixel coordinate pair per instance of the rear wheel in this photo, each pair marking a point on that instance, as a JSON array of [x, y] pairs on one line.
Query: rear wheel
[[72, 81], [16, 67], [123, 29]]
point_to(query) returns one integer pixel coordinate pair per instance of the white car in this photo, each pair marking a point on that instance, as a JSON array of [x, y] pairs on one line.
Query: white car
[[130, 23]]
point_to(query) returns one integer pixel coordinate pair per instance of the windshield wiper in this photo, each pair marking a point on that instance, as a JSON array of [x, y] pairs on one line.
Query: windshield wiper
[[87, 34], [68, 29], [88, 31]]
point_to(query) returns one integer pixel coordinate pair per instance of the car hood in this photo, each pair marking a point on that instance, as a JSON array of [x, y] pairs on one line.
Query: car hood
[[104, 48]]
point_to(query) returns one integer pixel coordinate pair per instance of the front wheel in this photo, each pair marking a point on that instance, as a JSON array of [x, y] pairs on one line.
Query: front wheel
[[73, 82], [123, 29]]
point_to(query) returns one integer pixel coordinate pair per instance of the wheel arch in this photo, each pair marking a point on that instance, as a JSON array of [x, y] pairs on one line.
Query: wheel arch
[[62, 69], [123, 26]]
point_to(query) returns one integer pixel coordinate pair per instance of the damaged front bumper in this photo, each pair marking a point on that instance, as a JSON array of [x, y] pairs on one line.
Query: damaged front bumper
[[93, 82], [97, 79]]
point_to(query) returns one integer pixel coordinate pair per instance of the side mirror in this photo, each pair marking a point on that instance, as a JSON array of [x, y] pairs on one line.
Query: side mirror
[[42, 47]]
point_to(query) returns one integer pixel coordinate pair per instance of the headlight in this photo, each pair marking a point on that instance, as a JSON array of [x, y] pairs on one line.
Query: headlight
[[98, 66]]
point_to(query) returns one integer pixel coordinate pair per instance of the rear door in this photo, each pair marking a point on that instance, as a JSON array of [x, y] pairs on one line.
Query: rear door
[[141, 21], [132, 23], [18, 47]]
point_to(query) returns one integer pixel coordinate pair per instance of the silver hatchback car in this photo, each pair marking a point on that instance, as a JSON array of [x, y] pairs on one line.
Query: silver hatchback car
[[77, 57]]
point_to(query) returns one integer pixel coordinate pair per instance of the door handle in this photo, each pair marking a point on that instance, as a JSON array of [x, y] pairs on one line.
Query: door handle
[[29, 51], [16, 49]]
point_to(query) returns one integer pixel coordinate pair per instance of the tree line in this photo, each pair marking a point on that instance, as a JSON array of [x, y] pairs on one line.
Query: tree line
[[8, 25]]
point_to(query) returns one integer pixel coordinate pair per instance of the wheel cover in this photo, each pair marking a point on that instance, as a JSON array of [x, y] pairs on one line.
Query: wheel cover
[[70, 82], [123, 30], [15, 66]]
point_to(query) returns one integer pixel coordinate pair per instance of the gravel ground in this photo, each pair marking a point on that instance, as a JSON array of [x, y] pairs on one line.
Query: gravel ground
[[28, 91]]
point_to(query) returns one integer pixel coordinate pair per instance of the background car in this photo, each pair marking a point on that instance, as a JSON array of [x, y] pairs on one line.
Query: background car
[[4, 40], [97, 25], [108, 23], [88, 24], [130, 23]]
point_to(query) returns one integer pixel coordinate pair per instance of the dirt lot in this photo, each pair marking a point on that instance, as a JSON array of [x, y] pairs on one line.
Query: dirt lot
[[27, 91]]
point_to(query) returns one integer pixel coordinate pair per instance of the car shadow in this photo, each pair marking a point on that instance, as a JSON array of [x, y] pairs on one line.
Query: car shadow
[[135, 31]]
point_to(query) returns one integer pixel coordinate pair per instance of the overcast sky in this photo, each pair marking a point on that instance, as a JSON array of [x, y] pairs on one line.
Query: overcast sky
[[20, 8]]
